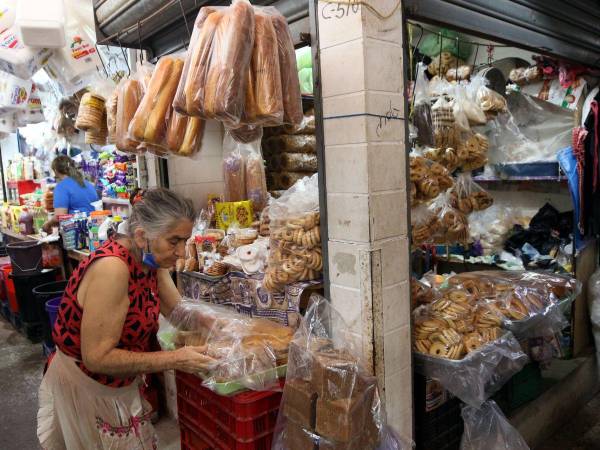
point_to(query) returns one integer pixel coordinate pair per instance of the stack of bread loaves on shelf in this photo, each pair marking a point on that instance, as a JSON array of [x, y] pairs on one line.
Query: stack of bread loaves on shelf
[[290, 153]]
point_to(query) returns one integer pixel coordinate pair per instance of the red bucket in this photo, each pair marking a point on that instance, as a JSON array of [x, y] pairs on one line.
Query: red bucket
[[11, 292]]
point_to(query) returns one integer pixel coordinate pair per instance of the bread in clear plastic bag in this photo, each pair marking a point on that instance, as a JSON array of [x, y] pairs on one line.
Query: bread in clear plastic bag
[[329, 399], [295, 236], [453, 224], [130, 92], [430, 178], [91, 113], [150, 122], [473, 112], [486, 428], [264, 100], [300, 143], [226, 79], [421, 293], [290, 84], [445, 131], [184, 134], [246, 133], [424, 225], [461, 73], [306, 125], [243, 349], [111, 116], [256, 181], [472, 149], [467, 196], [189, 98], [490, 101]]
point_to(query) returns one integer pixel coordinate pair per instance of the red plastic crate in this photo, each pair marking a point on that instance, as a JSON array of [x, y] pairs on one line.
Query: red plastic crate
[[243, 406], [194, 438], [241, 422]]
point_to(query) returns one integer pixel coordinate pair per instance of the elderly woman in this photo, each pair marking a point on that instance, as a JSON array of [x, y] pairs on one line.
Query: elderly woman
[[90, 395]]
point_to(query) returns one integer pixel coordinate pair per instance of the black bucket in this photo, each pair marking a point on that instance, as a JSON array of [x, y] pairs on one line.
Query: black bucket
[[25, 257], [42, 294], [24, 286]]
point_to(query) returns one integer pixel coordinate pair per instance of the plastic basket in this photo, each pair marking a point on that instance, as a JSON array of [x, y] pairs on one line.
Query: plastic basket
[[242, 422], [25, 257], [193, 438]]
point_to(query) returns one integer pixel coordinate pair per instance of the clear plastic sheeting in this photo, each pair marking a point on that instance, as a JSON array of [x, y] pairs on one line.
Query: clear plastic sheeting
[[243, 349], [594, 295], [486, 428], [480, 374], [329, 400]]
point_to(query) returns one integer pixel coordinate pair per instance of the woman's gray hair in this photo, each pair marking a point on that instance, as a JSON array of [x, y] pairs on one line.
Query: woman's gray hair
[[159, 211]]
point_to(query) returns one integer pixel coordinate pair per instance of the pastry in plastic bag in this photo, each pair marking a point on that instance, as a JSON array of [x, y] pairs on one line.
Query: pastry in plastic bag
[[151, 119], [445, 131], [453, 224], [424, 225], [242, 349], [459, 73], [329, 400], [468, 196], [473, 151], [234, 172]]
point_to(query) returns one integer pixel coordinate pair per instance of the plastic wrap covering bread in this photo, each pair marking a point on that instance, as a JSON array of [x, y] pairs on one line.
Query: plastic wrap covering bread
[[487, 424], [264, 101], [243, 349], [234, 171], [111, 116], [292, 101], [98, 136], [241, 68], [295, 236], [91, 114], [256, 180], [184, 134], [529, 304], [246, 133], [329, 399], [452, 224], [151, 119], [130, 92], [302, 143], [306, 126], [467, 196], [472, 360], [429, 178], [296, 162], [425, 225]]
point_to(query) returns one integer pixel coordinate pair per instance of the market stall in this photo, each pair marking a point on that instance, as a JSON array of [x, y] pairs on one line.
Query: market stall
[[495, 202]]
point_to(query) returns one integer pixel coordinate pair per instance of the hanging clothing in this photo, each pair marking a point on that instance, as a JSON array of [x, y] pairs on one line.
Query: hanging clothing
[[141, 323], [78, 413], [591, 171]]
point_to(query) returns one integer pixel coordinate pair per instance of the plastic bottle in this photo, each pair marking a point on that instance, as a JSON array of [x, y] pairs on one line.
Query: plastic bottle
[[25, 222], [28, 169]]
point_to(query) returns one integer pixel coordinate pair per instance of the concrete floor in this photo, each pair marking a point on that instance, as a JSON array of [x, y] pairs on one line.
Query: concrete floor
[[21, 366], [581, 433]]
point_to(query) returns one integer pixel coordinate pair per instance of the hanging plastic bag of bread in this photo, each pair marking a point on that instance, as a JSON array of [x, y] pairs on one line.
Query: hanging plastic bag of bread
[[329, 398], [485, 356], [429, 177], [189, 98], [472, 151], [264, 98], [151, 119], [488, 424], [472, 110], [238, 348], [129, 95], [234, 170], [290, 84], [422, 108], [246, 133], [184, 134], [217, 79], [256, 180], [453, 224], [111, 115], [445, 131], [467, 196], [295, 234], [424, 225]]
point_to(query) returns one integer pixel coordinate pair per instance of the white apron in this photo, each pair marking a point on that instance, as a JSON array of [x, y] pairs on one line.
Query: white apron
[[78, 413]]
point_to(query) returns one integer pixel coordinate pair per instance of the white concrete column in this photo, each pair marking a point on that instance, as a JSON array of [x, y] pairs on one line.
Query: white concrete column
[[364, 129]]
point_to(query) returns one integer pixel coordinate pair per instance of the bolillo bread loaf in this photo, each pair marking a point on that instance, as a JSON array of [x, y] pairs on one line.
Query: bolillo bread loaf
[[130, 95], [290, 85], [184, 136], [190, 93], [265, 76], [227, 79]]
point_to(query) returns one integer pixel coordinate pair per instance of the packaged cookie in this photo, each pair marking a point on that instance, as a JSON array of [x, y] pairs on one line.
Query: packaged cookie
[[445, 131], [453, 224], [294, 228], [467, 196], [424, 225], [429, 177]]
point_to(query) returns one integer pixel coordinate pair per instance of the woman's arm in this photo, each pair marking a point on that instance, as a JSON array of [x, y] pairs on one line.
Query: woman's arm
[[105, 307], [168, 293], [47, 227]]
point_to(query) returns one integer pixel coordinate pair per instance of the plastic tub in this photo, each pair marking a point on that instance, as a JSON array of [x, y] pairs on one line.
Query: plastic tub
[[25, 257], [52, 306], [24, 286], [42, 294]]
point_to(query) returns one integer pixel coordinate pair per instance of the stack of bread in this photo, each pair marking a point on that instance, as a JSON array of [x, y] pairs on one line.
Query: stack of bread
[[240, 68], [328, 400], [290, 152], [241, 347]]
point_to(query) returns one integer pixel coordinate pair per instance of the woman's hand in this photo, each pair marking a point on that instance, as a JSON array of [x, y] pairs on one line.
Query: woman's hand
[[193, 359]]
